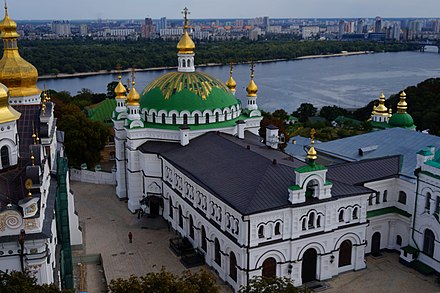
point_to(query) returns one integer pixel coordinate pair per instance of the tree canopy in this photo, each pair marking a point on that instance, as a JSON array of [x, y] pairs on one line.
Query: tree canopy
[[260, 284], [18, 282], [164, 281]]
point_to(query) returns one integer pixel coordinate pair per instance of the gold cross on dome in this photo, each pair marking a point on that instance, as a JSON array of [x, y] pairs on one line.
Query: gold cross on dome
[[252, 69], [132, 75], [230, 68], [312, 135], [185, 13]]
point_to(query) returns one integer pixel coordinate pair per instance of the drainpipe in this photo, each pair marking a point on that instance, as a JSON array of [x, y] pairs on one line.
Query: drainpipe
[[247, 250], [21, 239], [416, 172]]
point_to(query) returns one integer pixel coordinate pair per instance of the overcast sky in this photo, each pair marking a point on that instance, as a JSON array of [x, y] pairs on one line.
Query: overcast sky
[[137, 9]]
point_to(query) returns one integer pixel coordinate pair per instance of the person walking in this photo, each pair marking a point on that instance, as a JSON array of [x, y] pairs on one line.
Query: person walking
[[130, 237]]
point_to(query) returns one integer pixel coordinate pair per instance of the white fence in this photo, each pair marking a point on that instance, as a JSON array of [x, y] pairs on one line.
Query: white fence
[[96, 177]]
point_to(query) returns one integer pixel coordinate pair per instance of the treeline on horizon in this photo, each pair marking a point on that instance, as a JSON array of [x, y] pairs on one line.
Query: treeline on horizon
[[86, 55]]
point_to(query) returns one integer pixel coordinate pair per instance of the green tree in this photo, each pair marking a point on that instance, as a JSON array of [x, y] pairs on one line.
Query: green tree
[[18, 282], [84, 139], [164, 281], [260, 284], [111, 89], [331, 112], [280, 114], [304, 111], [281, 128]]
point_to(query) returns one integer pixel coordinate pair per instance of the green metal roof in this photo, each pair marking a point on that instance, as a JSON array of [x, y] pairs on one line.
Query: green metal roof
[[187, 91], [310, 168], [389, 210], [425, 152], [102, 111]]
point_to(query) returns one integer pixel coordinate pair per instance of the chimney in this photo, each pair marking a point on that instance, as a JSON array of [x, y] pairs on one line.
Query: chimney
[[272, 138]]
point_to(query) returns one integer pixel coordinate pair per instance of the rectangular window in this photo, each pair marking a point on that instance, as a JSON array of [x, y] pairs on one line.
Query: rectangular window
[[370, 200], [378, 198]]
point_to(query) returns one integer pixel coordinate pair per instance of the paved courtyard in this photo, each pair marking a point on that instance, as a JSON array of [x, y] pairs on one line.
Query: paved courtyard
[[106, 223]]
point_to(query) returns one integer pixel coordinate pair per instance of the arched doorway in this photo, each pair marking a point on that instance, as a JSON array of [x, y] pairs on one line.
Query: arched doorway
[[345, 253], [308, 269], [204, 240], [232, 266], [375, 244], [269, 268]]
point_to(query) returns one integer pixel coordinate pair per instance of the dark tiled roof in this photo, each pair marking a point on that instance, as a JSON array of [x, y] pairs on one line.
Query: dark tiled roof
[[365, 171], [30, 117], [247, 180]]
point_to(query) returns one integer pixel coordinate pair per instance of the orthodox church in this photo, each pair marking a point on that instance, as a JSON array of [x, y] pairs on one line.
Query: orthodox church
[[188, 151], [37, 221]]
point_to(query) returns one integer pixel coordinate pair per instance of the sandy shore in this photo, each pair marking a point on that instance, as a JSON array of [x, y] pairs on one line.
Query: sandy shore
[[101, 72]]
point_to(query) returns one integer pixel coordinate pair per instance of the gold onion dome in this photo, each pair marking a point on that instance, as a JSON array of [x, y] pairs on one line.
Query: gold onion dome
[[312, 155], [381, 108], [16, 73], [133, 97], [120, 89], [186, 44], [402, 105], [7, 113], [252, 88], [231, 84]]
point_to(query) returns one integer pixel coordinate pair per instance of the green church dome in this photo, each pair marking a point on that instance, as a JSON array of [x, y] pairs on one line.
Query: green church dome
[[187, 91], [403, 120]]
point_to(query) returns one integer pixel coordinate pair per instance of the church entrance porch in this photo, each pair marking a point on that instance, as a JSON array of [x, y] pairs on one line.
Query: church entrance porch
[[308, 269], [152, 205]]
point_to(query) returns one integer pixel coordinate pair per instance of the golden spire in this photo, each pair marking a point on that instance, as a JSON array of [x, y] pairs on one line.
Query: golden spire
[[34, 136], [312, 154], [120, 90], [390, 113], [133, 97], [231, 84], [16, 73], [402, 105], [381, 109], [252, 88], [33, 159], [185, 45], [7, 113]]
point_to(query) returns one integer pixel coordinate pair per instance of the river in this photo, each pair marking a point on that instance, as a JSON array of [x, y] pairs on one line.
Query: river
[[349, 81]]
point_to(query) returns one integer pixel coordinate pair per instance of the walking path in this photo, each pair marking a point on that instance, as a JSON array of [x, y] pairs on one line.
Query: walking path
[[107, 222]]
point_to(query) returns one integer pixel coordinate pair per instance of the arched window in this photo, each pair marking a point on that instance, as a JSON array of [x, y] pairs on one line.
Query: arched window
[[261, 231], [385, 196], [437, 205], [428, 243], [370, 200], [204, 241], [399, 240], [5, 156], [341, 216], [269, 268], [183, 63], [402, 197], [163, 118], [174, 119], [232, 266], [311, 221], [355, 213], [196, 119], [217, 253], [191, 227], [207, 118], [154, 117], [180, 217], [378, 198], [189, 62], [318, 222], [428, 202], [277, 228], [345, 253], [303, 225], [217, 117], [185, 119], [170, 208]]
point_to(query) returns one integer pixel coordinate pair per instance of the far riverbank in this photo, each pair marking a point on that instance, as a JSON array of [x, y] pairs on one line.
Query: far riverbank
[[102, 72]]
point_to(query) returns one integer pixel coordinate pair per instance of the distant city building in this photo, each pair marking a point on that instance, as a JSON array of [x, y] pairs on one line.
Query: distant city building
[[360, 26], [61, 28], [148, 30], [378, 24], [163, 23], [266, 22], [254, 34], [83, 29], [308, 32]]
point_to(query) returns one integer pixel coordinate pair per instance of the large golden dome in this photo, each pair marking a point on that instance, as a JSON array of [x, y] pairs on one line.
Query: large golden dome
[[16, 73], [7, 113]]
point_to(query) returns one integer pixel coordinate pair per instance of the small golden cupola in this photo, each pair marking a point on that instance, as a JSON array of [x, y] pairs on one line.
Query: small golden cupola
[[133, 96], [186, 44], [381, 108], [120, 89], [252, 88], [7, 113], [16, 73], [231, 84], [312, 155], [402, 105]]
